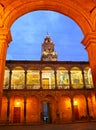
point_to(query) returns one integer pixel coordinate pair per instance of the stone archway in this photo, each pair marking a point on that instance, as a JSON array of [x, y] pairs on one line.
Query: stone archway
[[11, 10]]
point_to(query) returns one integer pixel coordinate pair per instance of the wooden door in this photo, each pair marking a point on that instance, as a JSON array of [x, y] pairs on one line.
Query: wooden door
[[16, 115], [76, 112]]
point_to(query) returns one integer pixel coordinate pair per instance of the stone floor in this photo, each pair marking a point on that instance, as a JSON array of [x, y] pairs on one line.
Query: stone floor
[[75, 126]]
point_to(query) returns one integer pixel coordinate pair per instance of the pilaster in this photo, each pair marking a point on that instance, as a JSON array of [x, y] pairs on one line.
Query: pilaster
[[40, 79], [55, 73], [5, 38], [90, 45]]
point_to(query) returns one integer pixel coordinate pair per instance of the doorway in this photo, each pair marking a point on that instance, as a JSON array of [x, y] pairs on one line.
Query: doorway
[[16, 114], [76, 112], [46, 113]]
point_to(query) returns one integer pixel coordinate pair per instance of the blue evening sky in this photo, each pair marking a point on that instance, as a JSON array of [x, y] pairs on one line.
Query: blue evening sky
[[28, 33]]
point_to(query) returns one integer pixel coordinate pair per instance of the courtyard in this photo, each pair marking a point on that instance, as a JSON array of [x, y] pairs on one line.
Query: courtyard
[[67, 126]]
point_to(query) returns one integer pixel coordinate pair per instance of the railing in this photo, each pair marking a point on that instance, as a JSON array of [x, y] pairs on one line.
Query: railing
[[48, 86], [63, 86], [33, 86]]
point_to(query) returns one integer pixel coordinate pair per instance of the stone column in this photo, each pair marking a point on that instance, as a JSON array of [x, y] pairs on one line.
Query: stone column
[[70, 84], [8, 110], [24, 110], [57, 112], [25, 83], [10, 76], [90, 44], [55, 73], [4, 40], [83, 78], [40, 79], [87, 109], [72, 107]]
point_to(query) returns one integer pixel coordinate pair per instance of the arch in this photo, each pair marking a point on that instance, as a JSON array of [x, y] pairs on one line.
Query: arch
[[48, 78], [61, 68], [6, 78], [62, 78], [18, 68], [33, 79], [65, 109], [50, 102], [79, 109], [88, 77], [76, 78], [47, 68], [32, 109], [68, 8], [18, 78], [16, 106], [75, 68]]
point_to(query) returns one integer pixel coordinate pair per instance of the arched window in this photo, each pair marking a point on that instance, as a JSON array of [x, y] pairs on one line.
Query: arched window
[[33, 79], [48, 78], [62, 78], [76, 78], [88, 77], [18, 77], [6, 78]]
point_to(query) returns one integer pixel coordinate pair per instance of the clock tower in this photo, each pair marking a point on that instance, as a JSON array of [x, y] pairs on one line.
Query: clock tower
[[48, 52]]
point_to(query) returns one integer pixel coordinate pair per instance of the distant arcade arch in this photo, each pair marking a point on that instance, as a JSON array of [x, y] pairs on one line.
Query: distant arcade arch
[[11, 10]]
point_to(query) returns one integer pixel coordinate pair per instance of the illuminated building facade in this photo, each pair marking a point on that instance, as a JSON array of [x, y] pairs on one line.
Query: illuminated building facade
[[47, 91], [85, 16], [36, 91]]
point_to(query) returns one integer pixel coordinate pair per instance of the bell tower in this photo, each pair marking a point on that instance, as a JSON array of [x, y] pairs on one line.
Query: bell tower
[[48, 52]]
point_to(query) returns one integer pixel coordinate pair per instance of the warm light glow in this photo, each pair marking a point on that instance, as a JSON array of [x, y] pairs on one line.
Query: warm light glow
[[17, 103], [75, 102]]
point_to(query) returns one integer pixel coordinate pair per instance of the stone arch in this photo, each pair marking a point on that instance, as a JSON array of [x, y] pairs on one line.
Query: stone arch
[[64, 108], [79, 109], [32, 109], [16, 102], [67, 8], [50, 101], [9, 13]]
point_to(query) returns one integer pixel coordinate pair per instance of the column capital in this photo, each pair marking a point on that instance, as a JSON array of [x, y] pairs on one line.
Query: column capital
[[90, 38], [5, 35]]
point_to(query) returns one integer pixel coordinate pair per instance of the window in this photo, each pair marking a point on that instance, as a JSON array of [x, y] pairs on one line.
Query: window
[[76, 78], [33, 79], [88, 77], [62, 78], [18, 77], [6, 78]]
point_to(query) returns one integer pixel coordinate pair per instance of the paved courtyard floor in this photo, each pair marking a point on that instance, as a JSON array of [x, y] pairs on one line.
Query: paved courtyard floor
[[75, 126]]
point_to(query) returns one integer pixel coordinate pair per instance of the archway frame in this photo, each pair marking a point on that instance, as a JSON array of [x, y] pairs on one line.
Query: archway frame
[[12, 11]]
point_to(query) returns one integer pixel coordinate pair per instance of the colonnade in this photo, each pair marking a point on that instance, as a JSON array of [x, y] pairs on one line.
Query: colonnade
[[84, 78], [75, 110]]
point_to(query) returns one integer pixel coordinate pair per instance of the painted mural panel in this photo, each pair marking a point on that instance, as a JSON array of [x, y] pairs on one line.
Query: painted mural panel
[[17, 81], [63, 79], [76, 78], [33, 79], [6, 79]]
